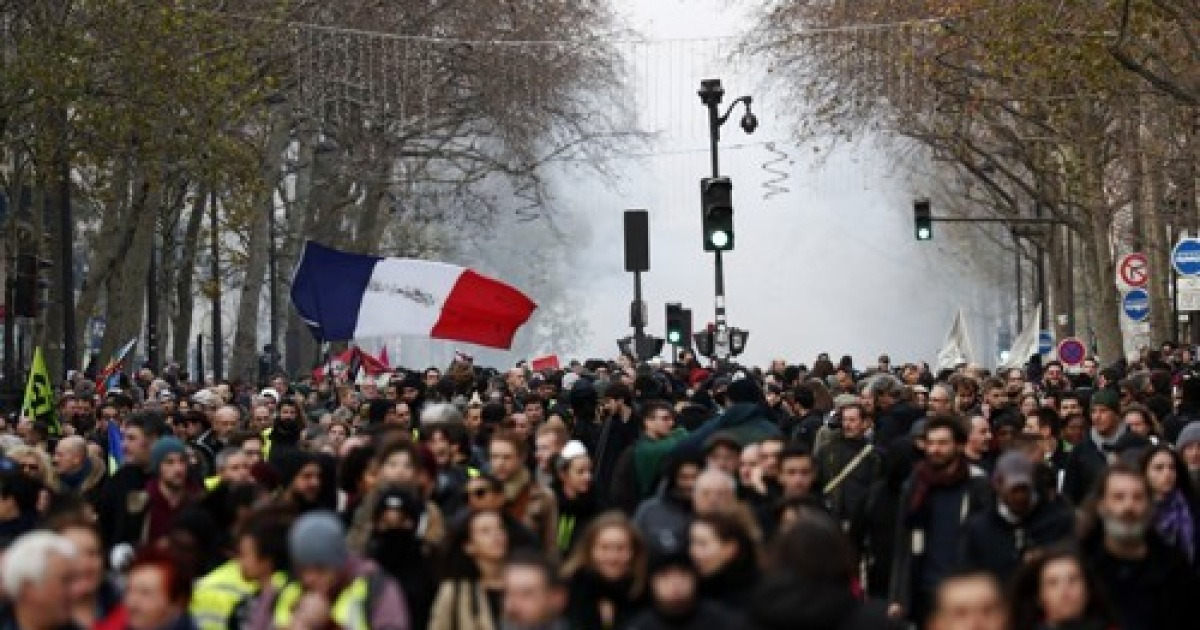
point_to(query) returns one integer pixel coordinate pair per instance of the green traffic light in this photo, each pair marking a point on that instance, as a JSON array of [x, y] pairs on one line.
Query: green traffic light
[[673, 337], [924, 234], [719, 239]]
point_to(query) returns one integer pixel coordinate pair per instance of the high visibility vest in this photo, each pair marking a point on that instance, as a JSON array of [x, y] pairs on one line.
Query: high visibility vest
[[266, 438], [349, 610], [217, 594]]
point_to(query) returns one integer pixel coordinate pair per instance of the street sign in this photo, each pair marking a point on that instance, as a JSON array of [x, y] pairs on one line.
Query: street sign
[[1045, 342], [1136, 305], [1132, 270], [1071, 351], [1185, 258], [1188, 290]]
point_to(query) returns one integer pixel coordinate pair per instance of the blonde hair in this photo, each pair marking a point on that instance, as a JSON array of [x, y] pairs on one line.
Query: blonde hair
[[49, 477]]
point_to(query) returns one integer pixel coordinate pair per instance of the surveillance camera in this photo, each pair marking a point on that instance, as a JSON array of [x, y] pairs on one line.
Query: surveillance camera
[[749, 122]]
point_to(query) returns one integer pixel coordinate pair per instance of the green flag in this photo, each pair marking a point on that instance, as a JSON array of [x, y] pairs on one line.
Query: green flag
[[39, 395]]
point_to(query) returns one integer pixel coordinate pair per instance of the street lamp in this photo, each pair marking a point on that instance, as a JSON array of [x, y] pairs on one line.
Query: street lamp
[[717, 206]]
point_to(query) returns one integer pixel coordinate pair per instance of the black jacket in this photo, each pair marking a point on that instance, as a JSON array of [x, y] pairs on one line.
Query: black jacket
[[994, 544], [848, 499], [787, 602], [897, 421], [122, 505], [1155, 593], [705, 615], [908, 562]]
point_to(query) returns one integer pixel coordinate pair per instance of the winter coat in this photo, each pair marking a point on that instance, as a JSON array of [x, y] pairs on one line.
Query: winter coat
[[1154, 593], [122, 504], [895, 422], [462, 605], [748, 423], [848, 499], [534, 506], [706, 615], [974, 495], [1087, 462], [995, 544], [787, 602], [586, 589]]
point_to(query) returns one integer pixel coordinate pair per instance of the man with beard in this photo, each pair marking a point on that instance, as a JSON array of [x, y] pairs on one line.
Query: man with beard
[[894, 415], [124, 496], [397, 548], [1148, 583], [940, 495], [675, 601], [168, 493], [285, 434], [848, 467], [1090, 457], [299, 480]]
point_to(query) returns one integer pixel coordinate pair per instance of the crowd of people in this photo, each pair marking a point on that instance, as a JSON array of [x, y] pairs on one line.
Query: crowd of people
[[611, 495]]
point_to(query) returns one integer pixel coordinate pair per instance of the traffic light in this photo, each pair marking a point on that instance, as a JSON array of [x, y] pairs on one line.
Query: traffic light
[[716, 197], [676, 332], [28, 284], [923, 220]]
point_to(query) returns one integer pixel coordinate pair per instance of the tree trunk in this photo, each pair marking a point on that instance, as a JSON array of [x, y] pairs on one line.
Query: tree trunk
[[299, 346], [126, 286], [1104, 299], [244, 354], [185, 298]]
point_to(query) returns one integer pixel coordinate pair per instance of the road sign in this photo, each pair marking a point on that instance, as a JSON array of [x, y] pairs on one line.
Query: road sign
[[1045, 342], [1186, 257], [1136, 304], [1188, 289], [1132, 270], [1071, 351]]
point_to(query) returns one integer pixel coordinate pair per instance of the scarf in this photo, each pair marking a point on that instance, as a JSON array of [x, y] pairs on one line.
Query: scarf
[[925, 478], [76, 480], [1173, 520], [1107, 446]]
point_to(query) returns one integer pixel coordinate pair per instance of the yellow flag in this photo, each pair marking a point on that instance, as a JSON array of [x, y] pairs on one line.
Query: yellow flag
[[39, 395]]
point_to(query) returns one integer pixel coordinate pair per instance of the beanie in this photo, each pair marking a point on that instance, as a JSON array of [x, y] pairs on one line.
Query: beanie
[[1190, 435], [318, 540], [670, 558], [163, 447], [1107, 398], [288, 463]]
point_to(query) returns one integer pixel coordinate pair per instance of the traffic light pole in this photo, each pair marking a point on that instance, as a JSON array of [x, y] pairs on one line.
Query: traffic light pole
[[711, 94]]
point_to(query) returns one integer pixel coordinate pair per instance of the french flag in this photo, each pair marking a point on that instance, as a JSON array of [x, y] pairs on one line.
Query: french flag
[[344, 296]]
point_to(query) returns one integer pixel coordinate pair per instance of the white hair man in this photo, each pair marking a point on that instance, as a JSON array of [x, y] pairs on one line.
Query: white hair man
[[36, 573], [438, 413]]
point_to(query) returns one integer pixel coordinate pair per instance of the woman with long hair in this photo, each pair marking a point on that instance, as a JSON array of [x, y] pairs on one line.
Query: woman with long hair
[[1175, 505], [725, 554], [573, 490], [606, 574], [472, 591], [1053, 591]]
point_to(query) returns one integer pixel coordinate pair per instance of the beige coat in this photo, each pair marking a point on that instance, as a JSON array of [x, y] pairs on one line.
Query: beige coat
[[461, 605]]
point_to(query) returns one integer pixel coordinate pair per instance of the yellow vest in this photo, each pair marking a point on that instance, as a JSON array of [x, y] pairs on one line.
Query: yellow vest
[[349, 610], [217, 594]]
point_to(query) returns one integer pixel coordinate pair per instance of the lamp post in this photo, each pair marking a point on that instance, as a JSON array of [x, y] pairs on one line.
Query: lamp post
[[711, 93]]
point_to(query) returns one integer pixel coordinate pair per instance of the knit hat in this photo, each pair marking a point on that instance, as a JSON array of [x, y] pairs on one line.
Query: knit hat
[[318, 540], [163, 447], [1190, 435], [288, 463], [1107, 398]]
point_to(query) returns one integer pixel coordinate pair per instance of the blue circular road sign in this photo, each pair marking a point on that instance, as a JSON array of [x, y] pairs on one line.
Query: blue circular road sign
[[1186, 257], [1136, 305], [1071, 351]]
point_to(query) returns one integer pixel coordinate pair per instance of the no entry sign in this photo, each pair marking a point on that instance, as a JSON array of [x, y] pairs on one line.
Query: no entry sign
[[1132, 270]]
